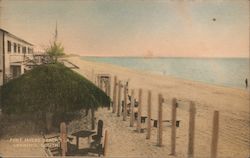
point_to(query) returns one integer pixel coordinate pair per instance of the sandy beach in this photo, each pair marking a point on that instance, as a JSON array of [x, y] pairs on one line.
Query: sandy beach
[[232, 104], [124, 141]]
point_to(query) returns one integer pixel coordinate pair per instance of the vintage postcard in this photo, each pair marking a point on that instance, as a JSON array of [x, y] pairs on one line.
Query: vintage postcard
[[124, 78]]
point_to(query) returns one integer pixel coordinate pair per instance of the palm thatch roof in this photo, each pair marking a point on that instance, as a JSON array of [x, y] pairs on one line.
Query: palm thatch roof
[[51, 88]]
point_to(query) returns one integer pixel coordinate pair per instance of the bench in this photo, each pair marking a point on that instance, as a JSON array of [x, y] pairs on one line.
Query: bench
[[52, 144], [177, 122]]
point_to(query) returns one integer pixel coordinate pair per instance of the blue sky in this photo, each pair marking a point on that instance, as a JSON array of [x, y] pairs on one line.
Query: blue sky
[[133, 27]]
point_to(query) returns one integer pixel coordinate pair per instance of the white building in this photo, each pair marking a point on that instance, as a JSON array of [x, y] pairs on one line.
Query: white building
[[16, 55]]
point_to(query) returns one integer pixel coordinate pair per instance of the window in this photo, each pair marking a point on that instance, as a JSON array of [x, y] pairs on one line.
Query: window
[[9, 46], [24, 50], [14, 47], [18, 48]]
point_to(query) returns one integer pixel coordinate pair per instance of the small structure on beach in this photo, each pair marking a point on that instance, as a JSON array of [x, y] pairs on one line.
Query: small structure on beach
[[51, 91], [104, 82]]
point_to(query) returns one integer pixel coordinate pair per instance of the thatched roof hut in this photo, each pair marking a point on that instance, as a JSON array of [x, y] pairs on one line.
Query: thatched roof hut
[[51, 88]]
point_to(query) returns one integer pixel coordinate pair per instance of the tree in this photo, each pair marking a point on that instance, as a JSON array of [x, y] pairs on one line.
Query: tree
[[55, 51]]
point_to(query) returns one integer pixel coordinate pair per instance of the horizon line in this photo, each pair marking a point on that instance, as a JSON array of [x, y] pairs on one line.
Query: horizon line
[[129, 56]]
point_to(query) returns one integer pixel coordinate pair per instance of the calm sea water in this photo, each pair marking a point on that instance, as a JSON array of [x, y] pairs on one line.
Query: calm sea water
[[230, 72]]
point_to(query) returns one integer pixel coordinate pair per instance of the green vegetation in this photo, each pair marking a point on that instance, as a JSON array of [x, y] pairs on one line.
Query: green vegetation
[[54, 51], [51, 88]]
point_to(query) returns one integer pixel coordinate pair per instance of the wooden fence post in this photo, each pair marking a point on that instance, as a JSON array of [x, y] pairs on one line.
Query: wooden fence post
[[173, 131], [108, 90], [92, 118], [114, 95], [119, 99], [149, 116], [159, 132], [105, 143], [106, 87], [139, 111], [109, 86], [191, 132], [132, 116], [215, 134], [63, 136], [125, 112]]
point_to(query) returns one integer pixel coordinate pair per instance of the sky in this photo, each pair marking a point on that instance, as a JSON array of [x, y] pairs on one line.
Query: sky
[[169, 28]]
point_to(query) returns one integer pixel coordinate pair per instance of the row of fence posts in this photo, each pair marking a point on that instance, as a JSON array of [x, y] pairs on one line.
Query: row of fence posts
[[116, 107]]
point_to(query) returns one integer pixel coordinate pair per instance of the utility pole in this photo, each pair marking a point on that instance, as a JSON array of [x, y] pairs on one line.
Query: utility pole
[[56, 33]]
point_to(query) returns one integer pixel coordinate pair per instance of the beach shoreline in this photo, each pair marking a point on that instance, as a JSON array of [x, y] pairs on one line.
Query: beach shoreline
[[225, 72]]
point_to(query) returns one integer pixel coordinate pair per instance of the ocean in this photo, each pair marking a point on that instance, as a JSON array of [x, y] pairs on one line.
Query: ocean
[[230, 72]]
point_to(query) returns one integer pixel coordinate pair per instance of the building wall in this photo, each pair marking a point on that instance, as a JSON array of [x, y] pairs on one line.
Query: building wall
[[1, 57], [15, 58]]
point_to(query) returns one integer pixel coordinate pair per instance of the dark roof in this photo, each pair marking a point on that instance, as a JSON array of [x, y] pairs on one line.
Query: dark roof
[[20, 39]]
